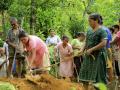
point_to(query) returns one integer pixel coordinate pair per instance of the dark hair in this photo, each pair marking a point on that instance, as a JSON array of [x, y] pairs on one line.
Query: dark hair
[[119, 20], [116, 26], [111, 29], [101, 21], [65, 37], [96, 17], [80, 34], [22, 34], [51, 30]]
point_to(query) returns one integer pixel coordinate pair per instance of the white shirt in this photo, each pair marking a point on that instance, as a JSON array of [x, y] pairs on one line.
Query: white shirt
[[53, 40], [5, 46]]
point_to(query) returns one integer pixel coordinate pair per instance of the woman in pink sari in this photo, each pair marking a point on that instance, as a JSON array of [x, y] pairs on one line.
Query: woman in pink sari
[[37, 51], [66, 58]]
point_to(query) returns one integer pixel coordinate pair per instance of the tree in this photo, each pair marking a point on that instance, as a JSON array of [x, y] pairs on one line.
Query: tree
[[4, 5], [65, 16], [21, 10]]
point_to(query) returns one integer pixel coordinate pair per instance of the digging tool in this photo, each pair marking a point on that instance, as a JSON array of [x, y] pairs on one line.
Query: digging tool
[[53, 65], [77, 73], [43, 68]]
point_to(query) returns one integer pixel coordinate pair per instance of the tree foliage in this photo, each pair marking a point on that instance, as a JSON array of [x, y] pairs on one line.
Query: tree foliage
[[64, 16], [5, 4]]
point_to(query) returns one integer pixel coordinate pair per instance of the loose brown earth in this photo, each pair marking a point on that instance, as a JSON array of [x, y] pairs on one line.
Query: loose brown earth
[[42, 82]]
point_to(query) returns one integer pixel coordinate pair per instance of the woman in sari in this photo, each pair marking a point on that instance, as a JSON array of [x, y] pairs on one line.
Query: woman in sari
[[66, 58], [38, 55], [93, 68]]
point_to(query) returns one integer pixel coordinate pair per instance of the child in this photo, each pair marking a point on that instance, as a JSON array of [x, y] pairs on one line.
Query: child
[[77, 45]]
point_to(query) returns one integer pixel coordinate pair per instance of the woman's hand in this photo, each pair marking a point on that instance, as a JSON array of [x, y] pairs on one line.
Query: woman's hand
[[29, 67], [89, 51], [74, 66]]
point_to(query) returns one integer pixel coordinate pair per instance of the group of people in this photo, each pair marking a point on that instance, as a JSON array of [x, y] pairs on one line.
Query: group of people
[[66, 54], [90, 57], [26, 52], [85, 57]]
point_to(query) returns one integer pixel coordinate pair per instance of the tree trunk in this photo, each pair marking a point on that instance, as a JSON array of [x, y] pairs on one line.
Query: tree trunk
[[32, 17], [86, 7], [3, 24], [21, 21]]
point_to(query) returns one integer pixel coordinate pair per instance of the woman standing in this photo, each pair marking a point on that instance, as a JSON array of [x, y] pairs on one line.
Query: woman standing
[[66, 58], [37, 51], [51, 42], [115, 50], [93, 68], [116, 41]]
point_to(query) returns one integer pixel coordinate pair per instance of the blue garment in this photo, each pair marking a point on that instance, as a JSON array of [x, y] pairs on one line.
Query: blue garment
[[109, 36], [14, 68]]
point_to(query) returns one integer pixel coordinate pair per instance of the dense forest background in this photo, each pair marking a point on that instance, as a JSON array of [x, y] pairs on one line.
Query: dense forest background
[[64, 16]]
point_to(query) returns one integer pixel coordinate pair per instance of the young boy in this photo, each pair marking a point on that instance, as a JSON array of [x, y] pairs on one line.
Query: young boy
[[77, 45]]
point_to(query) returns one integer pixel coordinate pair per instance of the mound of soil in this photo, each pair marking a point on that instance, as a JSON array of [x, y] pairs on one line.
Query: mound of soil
[[42, 82]]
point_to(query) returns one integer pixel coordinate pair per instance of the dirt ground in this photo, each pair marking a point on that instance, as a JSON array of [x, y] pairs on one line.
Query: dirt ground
[[42, 82]]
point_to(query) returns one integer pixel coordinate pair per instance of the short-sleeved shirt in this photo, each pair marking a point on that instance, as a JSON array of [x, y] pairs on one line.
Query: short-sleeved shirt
[[66, 67], [41, 49], [53, 40], [77, 43], [94, 38], [64, 51], [13, 38], [109, 36]]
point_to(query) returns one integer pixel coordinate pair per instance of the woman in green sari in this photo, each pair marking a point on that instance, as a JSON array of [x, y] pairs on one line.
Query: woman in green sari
[[93, 69]]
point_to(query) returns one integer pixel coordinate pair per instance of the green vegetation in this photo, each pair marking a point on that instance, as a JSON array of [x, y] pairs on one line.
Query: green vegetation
[[64, 16], [6, 86]]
